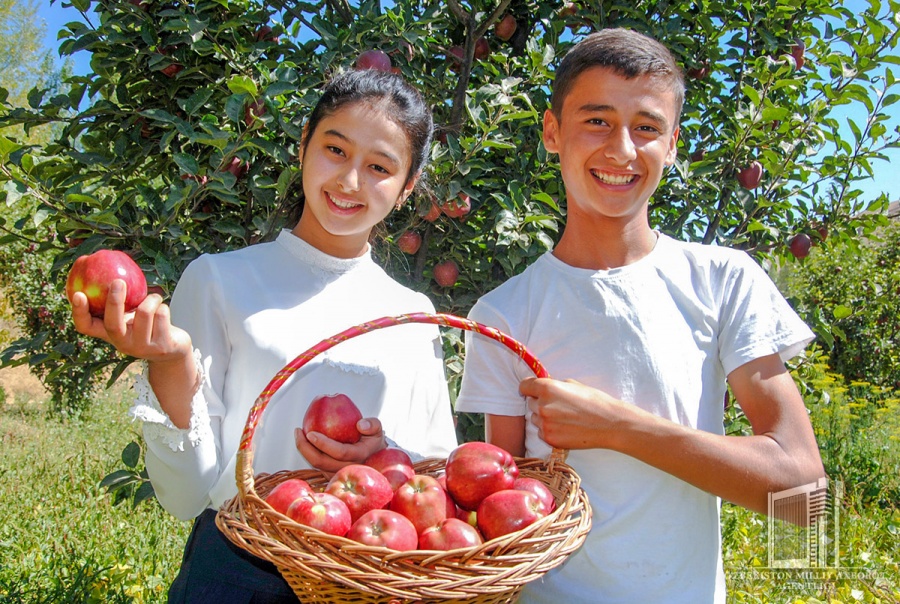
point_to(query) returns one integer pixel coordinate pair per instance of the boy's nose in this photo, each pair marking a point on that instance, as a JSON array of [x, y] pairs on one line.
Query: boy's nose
[[619, 145]]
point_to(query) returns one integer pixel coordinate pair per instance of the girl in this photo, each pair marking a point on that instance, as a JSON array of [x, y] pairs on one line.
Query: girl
[[238, 317]]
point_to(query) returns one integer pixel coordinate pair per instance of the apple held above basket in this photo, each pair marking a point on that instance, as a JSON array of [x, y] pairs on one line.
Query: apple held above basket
[[327, 568]]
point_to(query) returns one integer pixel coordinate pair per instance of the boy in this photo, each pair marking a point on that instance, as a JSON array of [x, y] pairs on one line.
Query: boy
[[651, 329]]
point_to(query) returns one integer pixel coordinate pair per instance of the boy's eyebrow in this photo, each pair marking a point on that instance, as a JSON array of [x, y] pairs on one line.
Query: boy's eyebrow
[[388, 156], [652, 115]]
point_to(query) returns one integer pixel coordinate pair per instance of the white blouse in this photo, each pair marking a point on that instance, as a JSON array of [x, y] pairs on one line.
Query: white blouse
[[249, 313]]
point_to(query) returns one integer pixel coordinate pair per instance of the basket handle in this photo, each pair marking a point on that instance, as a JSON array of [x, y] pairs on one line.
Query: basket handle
[[244, 468]]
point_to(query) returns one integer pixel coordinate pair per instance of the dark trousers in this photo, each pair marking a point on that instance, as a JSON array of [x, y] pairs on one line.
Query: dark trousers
[[215, 571]]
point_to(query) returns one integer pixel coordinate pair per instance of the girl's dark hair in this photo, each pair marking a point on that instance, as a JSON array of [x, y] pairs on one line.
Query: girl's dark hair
[[405, 106], [628, 53]]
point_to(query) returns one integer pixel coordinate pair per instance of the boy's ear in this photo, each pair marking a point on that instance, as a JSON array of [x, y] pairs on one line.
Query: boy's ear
[[673, 147], [551, 132]]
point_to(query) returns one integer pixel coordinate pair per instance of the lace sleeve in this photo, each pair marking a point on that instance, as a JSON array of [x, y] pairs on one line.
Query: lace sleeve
[[157, 425]]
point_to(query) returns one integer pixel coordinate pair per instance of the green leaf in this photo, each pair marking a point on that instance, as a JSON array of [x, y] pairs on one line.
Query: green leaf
[[131, 454], [187, 163], [143, 493], [118, 479], [842, 312], [242, 84]]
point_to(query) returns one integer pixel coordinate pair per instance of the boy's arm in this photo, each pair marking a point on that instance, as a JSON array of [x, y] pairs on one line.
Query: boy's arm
[[506, 431], [781, 454]]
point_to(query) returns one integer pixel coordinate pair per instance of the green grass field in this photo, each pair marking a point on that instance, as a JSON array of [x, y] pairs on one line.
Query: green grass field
[[63, 541]]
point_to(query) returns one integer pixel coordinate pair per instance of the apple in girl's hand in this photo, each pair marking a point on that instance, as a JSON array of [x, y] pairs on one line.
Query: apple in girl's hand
[[384, 528], [508, 511], [477, 469], [286, 493], [92, 274], [335, 416], [452, 533], [361, 487], [544, 495], [394, 463], [321, 511], [421, 499]]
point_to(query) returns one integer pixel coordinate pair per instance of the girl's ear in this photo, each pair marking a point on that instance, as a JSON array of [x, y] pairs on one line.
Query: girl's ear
[[409, 187], [303, 138]]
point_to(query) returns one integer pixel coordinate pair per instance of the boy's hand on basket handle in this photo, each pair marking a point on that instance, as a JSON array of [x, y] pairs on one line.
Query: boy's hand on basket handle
[[330, 455]]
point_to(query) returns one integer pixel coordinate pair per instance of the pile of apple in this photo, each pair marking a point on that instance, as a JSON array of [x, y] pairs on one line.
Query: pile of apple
[[384, 502]]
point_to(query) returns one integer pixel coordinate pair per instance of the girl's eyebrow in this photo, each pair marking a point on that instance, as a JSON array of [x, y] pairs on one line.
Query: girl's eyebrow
[[651, 115], [385, 154]]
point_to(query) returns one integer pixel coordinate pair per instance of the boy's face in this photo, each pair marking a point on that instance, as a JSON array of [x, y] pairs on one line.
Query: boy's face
[[614, 137]]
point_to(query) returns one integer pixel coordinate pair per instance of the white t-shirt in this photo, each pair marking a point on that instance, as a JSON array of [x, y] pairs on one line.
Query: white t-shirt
[[662, 333], [249, 312]]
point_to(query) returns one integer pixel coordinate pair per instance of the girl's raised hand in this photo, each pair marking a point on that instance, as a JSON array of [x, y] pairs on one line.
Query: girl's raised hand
[[146, 333], [330, 455]]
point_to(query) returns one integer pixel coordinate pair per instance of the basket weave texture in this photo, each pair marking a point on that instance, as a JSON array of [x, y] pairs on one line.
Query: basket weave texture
[[326, 568]]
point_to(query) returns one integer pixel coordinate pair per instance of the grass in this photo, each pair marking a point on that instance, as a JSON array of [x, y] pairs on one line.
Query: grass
[[63, 541]]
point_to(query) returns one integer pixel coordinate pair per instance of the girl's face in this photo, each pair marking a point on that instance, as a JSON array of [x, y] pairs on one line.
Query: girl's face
[[354, 173]]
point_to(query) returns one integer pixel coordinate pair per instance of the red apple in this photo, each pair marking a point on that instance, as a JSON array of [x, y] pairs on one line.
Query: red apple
[[456, 55], [253, 111], [543, 493], [506, 27], [800, 245], [750, 176], [457, 208], [433, 213], [569, 9], [409, 242], [361, 487], [798, 48], [394, 463], [452, 533], [482, 49], [449, 504], [822, 230], [508, 511], [172, 69], [92, 274], [286, 493], [476, 470], [264, 34], [238, 167], [321, 511], [421, 499], [374, 59], [384, 528], [335, 416], [446, 273], [698, 73]]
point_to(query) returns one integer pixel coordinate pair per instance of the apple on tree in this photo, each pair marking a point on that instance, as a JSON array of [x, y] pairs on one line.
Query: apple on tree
[[321, 511], [446, 273], [457, 208], [92, 274], [507, 511], [409, 242], [361, 487], [421, 499], [506, 27], [451, 533], [798, 49], [800, 245], [384, 528], [750, 176], [433, 212], [374, 59], [477, 469], [335, 416], [287, 492], [482, 49]]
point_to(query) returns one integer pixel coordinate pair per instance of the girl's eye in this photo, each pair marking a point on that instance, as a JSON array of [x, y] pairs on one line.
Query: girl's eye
[[380, 169], [335, 150]]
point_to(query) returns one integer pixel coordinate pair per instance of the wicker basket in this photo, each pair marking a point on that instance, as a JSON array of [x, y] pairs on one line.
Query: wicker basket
[[325, 568]]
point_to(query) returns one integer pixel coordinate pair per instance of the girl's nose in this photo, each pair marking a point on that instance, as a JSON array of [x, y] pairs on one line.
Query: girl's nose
[[348, 180]]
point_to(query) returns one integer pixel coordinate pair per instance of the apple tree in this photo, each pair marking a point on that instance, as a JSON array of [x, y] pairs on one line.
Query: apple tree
[[183, 138]]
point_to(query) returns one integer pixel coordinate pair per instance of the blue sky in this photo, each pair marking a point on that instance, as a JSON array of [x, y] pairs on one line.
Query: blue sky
[[885, 180]]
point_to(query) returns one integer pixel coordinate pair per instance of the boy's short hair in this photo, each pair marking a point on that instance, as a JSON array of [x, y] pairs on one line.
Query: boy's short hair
[[628, 53]]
